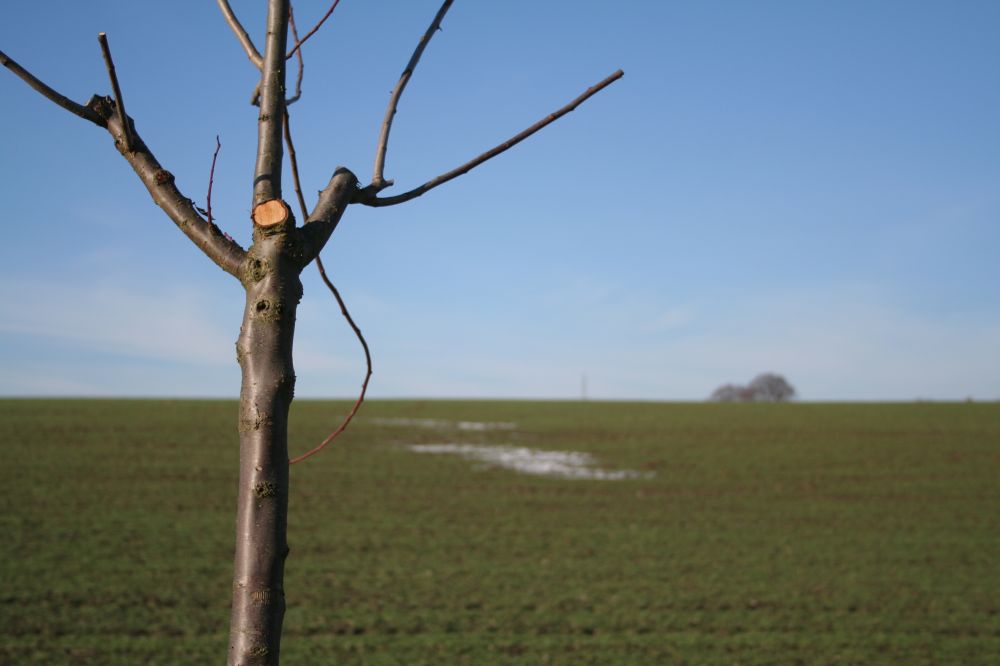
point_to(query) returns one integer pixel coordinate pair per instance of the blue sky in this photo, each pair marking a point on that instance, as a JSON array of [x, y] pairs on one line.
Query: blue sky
[[810, 188]]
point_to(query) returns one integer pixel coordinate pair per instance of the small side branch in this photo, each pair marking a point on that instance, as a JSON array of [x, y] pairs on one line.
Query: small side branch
[[241, 34], [101, 111], [78, 109], [298, 52], [293, 162], [378, 177], [367, 196], [211, 179], [364, 385], [221, 249], [333, 201], [119, 101], [300, 42]]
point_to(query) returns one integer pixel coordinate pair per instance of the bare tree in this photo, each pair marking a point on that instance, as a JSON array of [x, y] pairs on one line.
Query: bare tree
[[728, 393], [769, 387], [269, 272], [766, 387]]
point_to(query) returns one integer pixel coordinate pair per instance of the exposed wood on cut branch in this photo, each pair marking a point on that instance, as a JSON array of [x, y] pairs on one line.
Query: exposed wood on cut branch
[[241, 34], [119, 102], [378, 177], [270, 213], [78, 109], [267, 172], [367, 196], [300, 42]]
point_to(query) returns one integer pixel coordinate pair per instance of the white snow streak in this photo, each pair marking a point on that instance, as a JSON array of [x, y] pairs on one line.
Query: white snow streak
[[441, 424], [563, 464]]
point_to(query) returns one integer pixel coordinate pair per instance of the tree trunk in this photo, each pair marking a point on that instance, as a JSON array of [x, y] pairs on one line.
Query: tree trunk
[[264, 351]]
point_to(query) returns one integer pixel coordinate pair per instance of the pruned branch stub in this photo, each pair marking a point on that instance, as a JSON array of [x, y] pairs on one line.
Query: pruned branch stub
[[270, 213]]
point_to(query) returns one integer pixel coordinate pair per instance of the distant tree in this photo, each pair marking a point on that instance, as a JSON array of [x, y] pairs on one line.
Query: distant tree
[[766, 387], [769, 387], [728, 393]]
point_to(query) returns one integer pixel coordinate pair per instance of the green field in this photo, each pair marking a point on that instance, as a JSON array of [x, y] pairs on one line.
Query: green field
[[767, 534]]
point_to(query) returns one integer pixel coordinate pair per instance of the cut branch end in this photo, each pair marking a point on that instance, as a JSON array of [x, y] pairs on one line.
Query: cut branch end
[[270, 213]]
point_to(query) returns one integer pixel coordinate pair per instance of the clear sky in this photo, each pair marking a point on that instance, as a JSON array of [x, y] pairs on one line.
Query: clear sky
[[803, 187]]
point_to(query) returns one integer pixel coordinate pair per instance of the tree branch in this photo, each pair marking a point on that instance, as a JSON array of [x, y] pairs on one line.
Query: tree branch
[[300, 42], [78, 109], [224, 251], [368, 375], [293, 162], [333, 201], [119, 101], [298, 52], [211, 179], [378, 177], [103, 112], [367, 196], [241, 34], [267, 173]]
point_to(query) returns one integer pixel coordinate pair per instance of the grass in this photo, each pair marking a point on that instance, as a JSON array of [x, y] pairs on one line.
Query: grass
[[770, 534]]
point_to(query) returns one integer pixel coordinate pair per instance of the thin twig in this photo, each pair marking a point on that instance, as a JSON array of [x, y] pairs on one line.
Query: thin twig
[[211, 178], [241, 34], [378, 177], [300, 42], [340, 301], [364, 386], [78, 109], [367, 196], [294, 164], [298, 52], [119, 102]]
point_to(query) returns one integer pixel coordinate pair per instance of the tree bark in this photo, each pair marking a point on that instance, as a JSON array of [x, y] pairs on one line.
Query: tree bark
[[270, 276], [264, 351]]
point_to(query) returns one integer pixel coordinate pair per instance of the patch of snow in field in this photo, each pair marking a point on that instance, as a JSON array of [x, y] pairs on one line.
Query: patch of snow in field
[[480, 425], [441, 424], [564, 464]]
